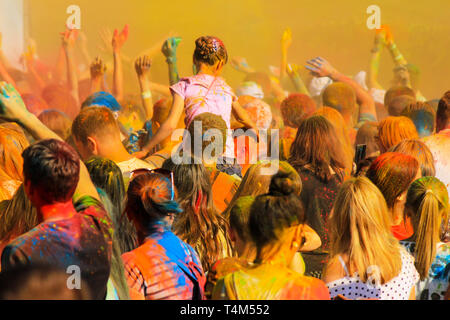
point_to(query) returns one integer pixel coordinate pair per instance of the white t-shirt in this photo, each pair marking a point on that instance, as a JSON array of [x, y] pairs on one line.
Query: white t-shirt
[[129, 165]]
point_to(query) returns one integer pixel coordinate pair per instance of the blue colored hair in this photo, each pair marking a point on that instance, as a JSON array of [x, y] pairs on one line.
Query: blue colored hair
[[104, 99]]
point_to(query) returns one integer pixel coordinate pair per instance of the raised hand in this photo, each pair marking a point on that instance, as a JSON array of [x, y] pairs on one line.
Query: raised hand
[[119, 39], [286, 39], [292, 69], [320, 67], [240, 64], [169, 47], [98, 68], [68, 37], [142, 65], [12, 106]]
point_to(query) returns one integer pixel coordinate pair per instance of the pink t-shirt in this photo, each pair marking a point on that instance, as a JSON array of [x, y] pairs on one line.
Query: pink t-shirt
[[206, 93]]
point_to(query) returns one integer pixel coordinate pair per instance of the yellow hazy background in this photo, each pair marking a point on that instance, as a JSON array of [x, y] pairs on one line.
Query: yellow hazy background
[[335, 30]]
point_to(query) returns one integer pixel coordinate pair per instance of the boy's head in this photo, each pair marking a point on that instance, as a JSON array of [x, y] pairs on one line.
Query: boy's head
[[397, 91], [102, 99], [93, 129], [296, 108], [340, 96], [398, 104], [211, 130], [51, 170], [423, 116]]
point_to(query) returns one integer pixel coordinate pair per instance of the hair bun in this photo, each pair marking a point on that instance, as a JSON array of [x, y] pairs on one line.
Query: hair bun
[[281, 185]]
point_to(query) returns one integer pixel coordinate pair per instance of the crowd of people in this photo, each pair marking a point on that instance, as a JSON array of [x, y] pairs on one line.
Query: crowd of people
[[291, 186]]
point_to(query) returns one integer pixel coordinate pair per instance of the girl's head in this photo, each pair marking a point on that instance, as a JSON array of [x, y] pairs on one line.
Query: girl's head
[[210, 52], [427, 203], [393, 130], [57, 121], [392, 173], [360, 228], [199, 225], [151, 201], [18, 216], [421, 152], [256, 180], [316, 144], [12, 144], [277, 218]]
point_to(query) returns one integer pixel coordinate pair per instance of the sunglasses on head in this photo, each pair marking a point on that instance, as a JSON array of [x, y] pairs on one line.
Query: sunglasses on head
[[167, 173]]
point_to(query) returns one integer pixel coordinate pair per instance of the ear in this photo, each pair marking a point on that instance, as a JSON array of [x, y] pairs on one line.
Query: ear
[[297, 238], [92, 145]]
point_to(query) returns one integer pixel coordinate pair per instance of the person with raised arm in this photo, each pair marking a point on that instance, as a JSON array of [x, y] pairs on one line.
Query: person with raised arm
[[74, 228]]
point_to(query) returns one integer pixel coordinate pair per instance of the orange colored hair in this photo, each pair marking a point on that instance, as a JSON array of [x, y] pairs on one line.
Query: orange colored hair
[[393, 130]]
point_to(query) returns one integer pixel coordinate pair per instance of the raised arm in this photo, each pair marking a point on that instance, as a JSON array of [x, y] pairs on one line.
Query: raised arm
[[292, 71], [118, 41], [374, 64], [286, 41], [68, 39], [166, 128], [98, 69], [240, 64], [398, 58], [13, 108], [322, 68], [142, 67], [169, 50]]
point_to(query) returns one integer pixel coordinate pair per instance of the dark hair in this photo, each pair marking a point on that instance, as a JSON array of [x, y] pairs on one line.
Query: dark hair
[[423, 116], [398, 104], [296, 108], [316, 145], [149, 198], [200, 225], [54, 167], [392, 173], [208, 121], [209, 50], [275, 211], [396, 91], [443, 112], [106, 175], [39, 281], [94, 121], [102, 99]]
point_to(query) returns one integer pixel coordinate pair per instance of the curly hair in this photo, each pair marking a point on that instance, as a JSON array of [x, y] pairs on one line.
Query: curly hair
[[209, 50]]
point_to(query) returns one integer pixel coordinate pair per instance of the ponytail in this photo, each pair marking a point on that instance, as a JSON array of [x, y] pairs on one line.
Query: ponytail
[[427, 233], [427, 203]]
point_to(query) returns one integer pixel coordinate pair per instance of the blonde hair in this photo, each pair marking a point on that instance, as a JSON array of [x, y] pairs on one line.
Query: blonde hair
[[360, 228], [427, 203], [393, 130], [12, 143], [420, 151]]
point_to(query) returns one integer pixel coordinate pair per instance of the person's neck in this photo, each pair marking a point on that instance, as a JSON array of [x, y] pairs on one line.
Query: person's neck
[[116, 152], [56, 211], [397, 215], [246, 251], [212, 71], [276, 254]]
